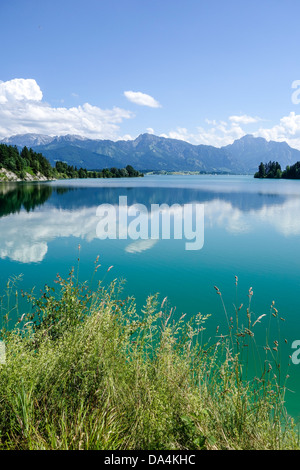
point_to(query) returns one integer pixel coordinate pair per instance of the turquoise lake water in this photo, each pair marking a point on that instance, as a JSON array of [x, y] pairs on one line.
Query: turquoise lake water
[[251, 230]]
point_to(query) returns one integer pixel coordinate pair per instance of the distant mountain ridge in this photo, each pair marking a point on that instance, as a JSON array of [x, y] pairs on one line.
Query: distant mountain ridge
[[150, 152]]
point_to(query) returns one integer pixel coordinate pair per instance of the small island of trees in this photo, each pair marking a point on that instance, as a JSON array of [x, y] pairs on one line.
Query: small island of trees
[[273, 170]]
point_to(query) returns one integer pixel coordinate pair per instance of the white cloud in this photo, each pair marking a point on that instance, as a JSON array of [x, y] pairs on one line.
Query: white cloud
[[211, 122], [220, 134], [23, 111], [126, 137], [20, 89], [244, 119], [181, 133], [141, 99], [287, 130]]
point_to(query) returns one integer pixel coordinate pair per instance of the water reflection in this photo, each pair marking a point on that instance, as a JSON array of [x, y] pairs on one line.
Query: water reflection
[[244, 199], [251, 230], [32, 215], [17, 196]]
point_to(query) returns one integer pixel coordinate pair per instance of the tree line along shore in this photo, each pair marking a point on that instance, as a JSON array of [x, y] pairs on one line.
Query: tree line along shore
[[28, 165], [273, 170]]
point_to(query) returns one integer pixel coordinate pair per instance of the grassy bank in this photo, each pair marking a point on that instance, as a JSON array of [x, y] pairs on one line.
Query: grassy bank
[[85, 370]]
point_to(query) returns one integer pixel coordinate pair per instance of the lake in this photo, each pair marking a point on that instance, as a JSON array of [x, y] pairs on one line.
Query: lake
[[251, 230]]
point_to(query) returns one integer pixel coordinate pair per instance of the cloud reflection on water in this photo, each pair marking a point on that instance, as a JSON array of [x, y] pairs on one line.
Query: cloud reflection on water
[[25, 236]]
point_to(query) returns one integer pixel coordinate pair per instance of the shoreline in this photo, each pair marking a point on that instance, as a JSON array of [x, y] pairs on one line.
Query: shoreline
[[7, 176]]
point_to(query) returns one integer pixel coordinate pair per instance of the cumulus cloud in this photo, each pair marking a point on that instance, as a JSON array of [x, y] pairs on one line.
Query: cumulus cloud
[[181, 133], [218, 135], [244, 119], [287, 130], [221, 133], [23, 111], [20, 89], [142, 99]]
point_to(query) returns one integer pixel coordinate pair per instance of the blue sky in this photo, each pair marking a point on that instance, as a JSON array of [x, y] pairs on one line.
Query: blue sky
[[206, 71]]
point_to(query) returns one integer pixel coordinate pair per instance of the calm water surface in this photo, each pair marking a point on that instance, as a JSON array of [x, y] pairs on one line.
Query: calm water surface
[[252, 230]]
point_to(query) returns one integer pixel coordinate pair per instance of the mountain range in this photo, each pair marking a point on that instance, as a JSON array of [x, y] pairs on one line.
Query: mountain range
[[150, 152]]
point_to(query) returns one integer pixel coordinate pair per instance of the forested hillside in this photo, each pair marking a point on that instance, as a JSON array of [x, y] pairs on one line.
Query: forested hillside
[[24, 163], [28, 165]]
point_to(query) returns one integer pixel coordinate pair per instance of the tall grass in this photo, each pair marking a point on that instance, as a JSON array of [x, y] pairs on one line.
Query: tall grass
[[85, 370]]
